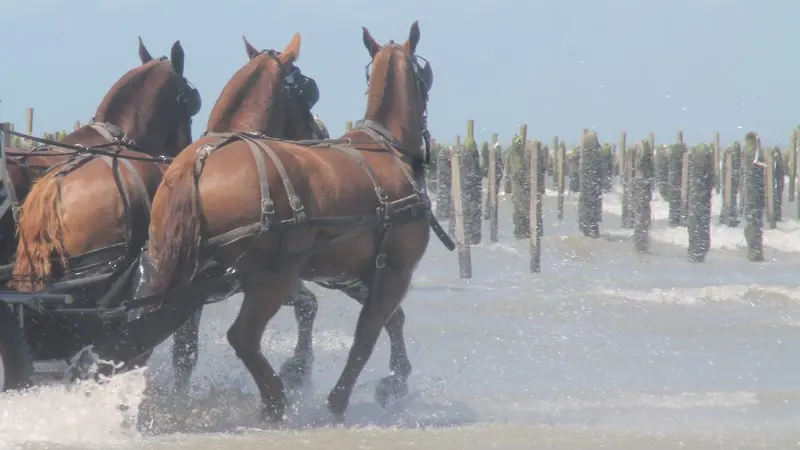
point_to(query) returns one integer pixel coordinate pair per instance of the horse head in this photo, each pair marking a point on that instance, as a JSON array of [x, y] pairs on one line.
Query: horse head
[[266, 96], [153, 103], [397, 96]]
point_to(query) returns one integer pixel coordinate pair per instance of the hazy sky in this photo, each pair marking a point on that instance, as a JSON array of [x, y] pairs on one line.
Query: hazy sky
[[633, 65]]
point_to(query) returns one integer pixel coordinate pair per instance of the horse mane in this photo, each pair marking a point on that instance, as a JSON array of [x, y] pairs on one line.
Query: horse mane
[[380, 83], [117, 106], [390, 74], [236, 109]]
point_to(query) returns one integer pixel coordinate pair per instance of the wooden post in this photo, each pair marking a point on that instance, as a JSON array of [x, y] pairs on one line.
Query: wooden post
[[769, 186], [716, 158], [444, 176], [624, 162], [29, 125], [628, 177], [29, 121], [536, 206], [6, 126], [76, 126], [554, 159], [699, 219], [452, 227], [674, 180], [793, 176], [561, 160], [491, 200], [651, 141], [464, 256], [726, 217], [779, 175], [348, 126], [744, 172], [685, 186], [621, 155], [590, 206], [754, 199], [642, 174]]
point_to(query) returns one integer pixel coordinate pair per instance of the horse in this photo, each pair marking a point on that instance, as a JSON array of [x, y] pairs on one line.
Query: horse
[[295, 371], [89, 214], [261, 97], [23, 168], [351, 213]]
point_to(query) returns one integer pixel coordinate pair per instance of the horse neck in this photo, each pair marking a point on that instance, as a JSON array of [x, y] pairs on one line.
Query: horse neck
[[250, 102], [393, 109], [151, 134]]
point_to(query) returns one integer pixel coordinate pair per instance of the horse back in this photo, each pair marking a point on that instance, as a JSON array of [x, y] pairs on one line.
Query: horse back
[[104, 197]]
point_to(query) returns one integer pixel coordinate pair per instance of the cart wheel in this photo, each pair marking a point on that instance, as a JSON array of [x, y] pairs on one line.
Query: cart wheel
[[16, 361]]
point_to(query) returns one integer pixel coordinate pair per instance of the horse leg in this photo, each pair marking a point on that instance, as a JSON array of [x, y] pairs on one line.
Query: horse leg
[[373, 317], [396, 384], [185, 351], [295, 371], [262, 294]]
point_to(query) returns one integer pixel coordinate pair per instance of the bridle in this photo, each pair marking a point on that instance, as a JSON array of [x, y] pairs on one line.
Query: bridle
[[291, 89], [424, 78]]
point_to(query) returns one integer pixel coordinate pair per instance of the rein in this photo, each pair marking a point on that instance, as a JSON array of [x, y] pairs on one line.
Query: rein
[[80, 150]]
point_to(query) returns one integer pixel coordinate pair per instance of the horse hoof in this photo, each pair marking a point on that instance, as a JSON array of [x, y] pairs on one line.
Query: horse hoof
[[295, 372], [273, 415], [390, 389]]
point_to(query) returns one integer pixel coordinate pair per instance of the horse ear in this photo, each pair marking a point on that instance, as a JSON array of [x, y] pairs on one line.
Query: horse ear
[[144, 55], [251, 51], [369, 43], [176, 57], [413, 38], [292, 51]]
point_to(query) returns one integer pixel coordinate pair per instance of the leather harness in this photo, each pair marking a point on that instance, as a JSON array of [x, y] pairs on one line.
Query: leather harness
[[116, 256], [389, 213]]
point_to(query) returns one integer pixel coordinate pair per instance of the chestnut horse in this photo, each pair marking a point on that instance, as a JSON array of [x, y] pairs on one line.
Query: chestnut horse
[[241, 107], [260, 97], [352, 213], [89, 214], [23, 168]]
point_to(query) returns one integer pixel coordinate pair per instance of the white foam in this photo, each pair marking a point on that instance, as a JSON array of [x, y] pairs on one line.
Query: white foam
[[751, 294], [81, 414], [786, 237], [677, 401], [659, 207]]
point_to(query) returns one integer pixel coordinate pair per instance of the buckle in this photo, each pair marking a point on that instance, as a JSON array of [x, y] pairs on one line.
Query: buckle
[[15, 207], [381, 194], [267, 207], [380, 261], [296, 204]]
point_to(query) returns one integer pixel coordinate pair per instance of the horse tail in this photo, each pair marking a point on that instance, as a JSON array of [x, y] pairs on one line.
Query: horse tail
[[176, 256], [41, 233]]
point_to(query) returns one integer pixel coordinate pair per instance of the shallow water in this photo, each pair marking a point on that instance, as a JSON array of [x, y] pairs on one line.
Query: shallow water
[[603, 349]]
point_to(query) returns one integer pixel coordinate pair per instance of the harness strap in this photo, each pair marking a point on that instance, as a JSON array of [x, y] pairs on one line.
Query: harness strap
[[12, 196], [267, 205], [139, 185], [355, 154], [102, 130], [387, 144], [294, 200]]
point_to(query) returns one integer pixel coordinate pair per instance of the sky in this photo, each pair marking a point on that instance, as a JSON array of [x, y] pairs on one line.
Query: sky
[[638, 66]]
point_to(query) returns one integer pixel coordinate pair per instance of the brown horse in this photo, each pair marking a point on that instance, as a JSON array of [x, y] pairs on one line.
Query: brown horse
[[90, 213], [239, 107], [23, 168], [353, 213], [260, 97]]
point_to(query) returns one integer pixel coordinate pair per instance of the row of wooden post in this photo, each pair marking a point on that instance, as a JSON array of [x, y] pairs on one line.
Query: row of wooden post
[[454, 189], [55, 136]]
